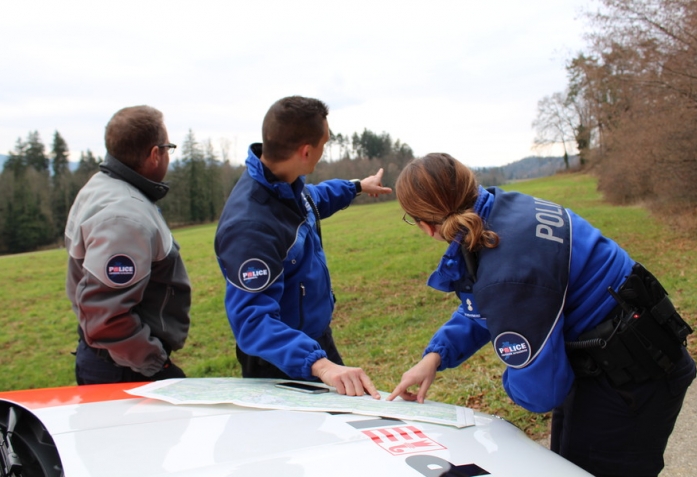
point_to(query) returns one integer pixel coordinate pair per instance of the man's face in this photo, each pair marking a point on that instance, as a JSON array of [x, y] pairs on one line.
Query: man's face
[[163, 164], [317, 151]]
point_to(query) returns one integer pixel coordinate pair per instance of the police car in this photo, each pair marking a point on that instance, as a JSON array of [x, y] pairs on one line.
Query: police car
[[119, 430]]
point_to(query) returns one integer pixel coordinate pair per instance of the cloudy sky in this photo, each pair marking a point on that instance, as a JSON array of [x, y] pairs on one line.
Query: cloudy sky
[[458, 76]]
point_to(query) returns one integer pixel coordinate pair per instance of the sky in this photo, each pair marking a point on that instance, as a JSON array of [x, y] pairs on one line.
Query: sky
[[456, 76]]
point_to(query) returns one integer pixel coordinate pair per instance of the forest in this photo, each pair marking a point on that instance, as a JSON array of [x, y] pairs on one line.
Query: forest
[[37, 187], [627, 115]]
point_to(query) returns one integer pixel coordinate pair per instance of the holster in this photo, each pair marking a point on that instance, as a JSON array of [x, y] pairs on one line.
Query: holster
[[639, 340]]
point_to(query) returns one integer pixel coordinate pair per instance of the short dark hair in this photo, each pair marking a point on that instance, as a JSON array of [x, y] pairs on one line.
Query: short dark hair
[[132, 132], [292, 122]]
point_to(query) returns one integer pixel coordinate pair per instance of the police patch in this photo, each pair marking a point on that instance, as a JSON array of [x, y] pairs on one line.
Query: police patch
[[513, 349], [254, 274], [120, 269]]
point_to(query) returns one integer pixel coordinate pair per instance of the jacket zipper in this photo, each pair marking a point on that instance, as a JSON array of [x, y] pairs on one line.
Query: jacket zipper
[[302, 313], [164, 304]]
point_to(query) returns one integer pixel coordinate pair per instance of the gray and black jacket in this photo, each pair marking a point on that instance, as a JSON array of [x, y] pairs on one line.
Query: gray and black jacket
[[126, 280]]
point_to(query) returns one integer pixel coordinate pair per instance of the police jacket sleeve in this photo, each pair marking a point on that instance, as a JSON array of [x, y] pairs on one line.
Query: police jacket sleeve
[[458, 339], [255, 319], [254, 297], [545, 382], [332, 195], [107, 303]]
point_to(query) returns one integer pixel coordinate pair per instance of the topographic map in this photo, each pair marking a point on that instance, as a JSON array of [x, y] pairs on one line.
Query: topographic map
[[263, 394]]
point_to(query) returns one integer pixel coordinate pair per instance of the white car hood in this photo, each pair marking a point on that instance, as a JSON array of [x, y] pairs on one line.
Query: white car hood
[[102, 431]]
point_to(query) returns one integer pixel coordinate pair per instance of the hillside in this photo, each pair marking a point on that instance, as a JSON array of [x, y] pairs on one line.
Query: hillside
[[528, 168], [536, 166]]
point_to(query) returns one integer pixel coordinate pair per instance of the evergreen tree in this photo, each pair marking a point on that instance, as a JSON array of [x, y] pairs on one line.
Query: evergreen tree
[[17, 163], [60, 153], [214, 191], [371, 145], [195, 172], [62, 192], [86, 168], [175, 205], [27, 225], [35, 152]]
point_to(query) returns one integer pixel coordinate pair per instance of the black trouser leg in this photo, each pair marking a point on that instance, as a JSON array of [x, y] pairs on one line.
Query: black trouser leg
[[620, 430]]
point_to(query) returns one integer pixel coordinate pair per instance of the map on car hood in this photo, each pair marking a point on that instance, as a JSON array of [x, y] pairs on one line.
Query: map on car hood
[[263, 394]]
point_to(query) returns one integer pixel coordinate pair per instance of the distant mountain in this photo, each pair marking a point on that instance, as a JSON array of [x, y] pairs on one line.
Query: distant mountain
[[3, 158], [536, 166], [527, 168]]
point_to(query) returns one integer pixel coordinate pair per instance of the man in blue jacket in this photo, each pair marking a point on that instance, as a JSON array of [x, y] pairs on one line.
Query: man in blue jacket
[[279, 298]]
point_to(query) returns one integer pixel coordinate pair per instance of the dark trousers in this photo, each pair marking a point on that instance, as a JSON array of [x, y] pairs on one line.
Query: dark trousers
[[255, 367], [95, 367], [620, 430]]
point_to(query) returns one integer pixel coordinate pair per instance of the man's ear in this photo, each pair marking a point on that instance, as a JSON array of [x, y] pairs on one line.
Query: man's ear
[[303, 153], [151, 162]]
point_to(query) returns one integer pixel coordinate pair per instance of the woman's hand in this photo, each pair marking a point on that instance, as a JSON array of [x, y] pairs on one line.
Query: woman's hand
[[421, 375]]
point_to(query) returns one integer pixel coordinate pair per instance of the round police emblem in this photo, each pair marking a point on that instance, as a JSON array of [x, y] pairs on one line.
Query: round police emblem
[[513, 349], [254, 274], [120, 269]]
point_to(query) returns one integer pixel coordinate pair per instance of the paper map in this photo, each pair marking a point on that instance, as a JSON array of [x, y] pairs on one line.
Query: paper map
[[263, 394]]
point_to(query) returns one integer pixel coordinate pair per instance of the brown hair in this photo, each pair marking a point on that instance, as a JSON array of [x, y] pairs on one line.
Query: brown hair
[[292, 122], [439, 189], [132, 132]]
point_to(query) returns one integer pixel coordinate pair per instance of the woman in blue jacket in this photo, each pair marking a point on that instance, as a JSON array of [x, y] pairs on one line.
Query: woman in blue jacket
[[583, 329]]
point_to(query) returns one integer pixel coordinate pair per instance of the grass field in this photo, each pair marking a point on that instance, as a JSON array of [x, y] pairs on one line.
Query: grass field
[[385, 313]]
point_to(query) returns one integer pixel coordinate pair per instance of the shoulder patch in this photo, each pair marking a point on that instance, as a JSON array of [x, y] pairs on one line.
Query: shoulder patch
[[120, 269], [254, 274], [513, 349]]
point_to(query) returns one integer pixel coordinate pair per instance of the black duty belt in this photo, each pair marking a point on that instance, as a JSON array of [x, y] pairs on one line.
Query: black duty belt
[[639, 340]]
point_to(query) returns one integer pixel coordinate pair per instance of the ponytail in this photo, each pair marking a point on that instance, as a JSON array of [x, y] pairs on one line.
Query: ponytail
[[438, 189]]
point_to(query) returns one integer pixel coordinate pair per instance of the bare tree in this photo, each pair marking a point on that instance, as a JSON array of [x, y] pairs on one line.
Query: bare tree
[[555, 123], [639, 83]]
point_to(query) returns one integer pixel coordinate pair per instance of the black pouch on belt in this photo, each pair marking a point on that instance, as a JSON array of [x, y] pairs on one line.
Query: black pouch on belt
[[641, 338]]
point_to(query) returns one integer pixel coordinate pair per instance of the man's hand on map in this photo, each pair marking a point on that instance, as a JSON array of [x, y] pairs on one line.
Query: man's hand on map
[[421, 375], [346, 380]]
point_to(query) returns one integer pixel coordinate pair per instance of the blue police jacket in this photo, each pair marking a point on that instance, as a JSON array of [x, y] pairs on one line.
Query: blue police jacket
[[278, 297], [544, 284]]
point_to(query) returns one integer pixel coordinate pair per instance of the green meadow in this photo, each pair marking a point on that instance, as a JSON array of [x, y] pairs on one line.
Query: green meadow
[[385, 313]]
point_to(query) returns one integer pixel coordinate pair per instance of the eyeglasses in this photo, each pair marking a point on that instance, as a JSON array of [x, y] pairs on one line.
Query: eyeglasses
[[410, 220], [170, 146]]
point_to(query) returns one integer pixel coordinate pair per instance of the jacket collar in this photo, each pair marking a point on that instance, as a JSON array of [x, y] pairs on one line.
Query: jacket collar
[[484, 202], [264, 176], [118, 170]]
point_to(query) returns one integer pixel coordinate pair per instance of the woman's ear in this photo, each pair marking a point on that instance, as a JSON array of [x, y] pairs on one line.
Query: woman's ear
[[430, 229], [433, 230]]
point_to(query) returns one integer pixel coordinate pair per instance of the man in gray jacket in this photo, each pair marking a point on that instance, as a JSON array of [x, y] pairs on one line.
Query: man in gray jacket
[[126, 280]]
